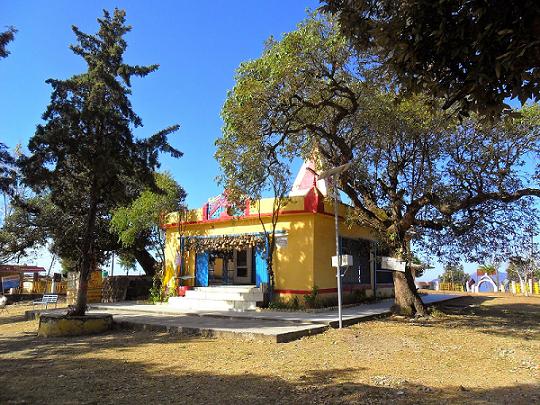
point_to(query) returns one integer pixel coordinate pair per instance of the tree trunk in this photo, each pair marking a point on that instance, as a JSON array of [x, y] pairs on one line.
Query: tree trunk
[[407, 301], [146, 260], [82, 288], [88, 259], [82, 296]]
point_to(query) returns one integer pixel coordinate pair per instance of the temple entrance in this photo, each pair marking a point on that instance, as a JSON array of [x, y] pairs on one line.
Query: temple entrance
[[485, 279], [243, 266]]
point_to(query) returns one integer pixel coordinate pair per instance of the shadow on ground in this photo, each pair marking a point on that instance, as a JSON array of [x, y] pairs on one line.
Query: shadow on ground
[[102, 381], [488, 315]]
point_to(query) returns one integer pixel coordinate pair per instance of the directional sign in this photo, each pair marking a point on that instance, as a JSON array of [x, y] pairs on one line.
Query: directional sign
[[346, 261], [391, 263]]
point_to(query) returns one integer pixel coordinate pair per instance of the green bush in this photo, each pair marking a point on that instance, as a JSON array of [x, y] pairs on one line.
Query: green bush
[[311, 298]]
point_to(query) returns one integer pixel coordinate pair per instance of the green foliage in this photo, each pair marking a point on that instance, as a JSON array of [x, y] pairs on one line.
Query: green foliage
[[412, 166], [156, 293], [27, 226], [462, 186], [85, 156], [488, 268], [522, 268], [7, 172], [127, 262], [454, 273], [311, 298], [5, 38], [141, 219], [474, 54]]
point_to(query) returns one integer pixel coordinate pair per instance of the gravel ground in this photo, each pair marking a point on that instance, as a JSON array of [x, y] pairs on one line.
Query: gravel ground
[[473, 350]]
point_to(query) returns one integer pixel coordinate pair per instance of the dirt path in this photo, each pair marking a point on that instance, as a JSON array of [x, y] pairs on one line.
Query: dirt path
[[474, 350]]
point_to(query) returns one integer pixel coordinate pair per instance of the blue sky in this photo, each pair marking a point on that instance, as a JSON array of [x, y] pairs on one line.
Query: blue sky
[[198, 45]]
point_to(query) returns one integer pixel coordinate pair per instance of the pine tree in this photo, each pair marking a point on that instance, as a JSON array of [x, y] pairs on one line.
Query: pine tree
[[85, 154]]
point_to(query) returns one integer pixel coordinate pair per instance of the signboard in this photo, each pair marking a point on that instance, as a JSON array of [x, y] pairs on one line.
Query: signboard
[[346, 261], [10, 282], [282, 241], [391, 263]]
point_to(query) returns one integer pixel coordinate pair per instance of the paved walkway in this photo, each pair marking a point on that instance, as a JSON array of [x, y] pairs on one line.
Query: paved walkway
[[274, 325]]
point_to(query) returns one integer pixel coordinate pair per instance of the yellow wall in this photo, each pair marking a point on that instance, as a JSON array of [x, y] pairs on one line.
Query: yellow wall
[[293, 264], [302, 264], [325, 247]]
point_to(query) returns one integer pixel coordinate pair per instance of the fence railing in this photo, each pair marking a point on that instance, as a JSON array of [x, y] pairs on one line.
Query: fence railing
[[43, 287]]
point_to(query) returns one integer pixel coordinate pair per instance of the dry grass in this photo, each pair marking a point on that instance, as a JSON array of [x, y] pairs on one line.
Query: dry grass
[[476, 350]]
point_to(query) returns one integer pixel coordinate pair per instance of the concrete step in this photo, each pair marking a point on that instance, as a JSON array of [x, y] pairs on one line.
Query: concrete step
[[186, 303], [224, 296], [228, 288], [221, 298]]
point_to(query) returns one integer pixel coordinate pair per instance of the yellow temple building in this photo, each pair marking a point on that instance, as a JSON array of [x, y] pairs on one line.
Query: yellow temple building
[[213, 246]]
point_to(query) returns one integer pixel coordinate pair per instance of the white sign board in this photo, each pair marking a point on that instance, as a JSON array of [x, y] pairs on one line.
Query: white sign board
[[346, 261], [391, 263], [282, 241]]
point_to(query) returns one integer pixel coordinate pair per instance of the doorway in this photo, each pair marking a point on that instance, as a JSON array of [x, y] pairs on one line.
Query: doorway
[[243, 266]]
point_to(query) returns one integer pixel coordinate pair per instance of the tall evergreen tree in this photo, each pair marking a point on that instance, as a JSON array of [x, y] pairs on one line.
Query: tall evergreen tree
[[6, 160], [5, 38], [85, 154]]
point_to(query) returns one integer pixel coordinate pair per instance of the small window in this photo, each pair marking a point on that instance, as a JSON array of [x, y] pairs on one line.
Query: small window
[[241, 258]]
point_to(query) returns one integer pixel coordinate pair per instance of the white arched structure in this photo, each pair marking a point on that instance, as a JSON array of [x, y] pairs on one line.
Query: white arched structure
[[485, 279]]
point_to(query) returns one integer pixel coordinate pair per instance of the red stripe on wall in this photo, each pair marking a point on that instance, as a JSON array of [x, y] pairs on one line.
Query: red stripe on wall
[[326, 290]]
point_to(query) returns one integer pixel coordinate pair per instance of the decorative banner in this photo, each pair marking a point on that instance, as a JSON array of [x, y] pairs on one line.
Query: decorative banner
[[217, 206], [391, 263], [223, 243]]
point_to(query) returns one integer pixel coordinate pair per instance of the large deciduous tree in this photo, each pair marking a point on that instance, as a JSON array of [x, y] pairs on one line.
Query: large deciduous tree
[[474, 54], [455, 184], [85, 155]]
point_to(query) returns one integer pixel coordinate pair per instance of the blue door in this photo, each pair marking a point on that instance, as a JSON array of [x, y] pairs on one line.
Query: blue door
[[261, 267], [201, 269]]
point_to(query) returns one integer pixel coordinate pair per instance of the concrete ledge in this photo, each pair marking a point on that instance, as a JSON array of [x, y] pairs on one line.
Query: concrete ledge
[[206, 332], [54, 325]]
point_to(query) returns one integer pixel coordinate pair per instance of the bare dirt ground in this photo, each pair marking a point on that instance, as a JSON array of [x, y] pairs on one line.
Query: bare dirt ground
[[474, 350]]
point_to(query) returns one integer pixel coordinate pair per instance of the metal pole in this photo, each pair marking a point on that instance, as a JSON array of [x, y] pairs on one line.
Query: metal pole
[[338, 270]]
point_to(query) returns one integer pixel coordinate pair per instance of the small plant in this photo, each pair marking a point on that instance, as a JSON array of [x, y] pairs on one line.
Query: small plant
[[295, 303], [156, 292], [311, 298], [171, 292], [278, 304], [437, 313]]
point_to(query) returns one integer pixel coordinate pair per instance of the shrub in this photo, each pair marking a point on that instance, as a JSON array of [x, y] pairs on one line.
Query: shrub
[[311, 298]]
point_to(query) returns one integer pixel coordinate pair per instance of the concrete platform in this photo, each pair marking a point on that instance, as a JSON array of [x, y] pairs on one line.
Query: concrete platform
[[274, 331], [269, 325]]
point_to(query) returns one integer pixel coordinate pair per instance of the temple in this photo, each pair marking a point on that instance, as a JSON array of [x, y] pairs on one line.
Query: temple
[[214, 246]]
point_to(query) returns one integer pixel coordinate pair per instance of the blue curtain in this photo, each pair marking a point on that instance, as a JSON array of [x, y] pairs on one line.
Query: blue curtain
[[261, 268], [201, 269]]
